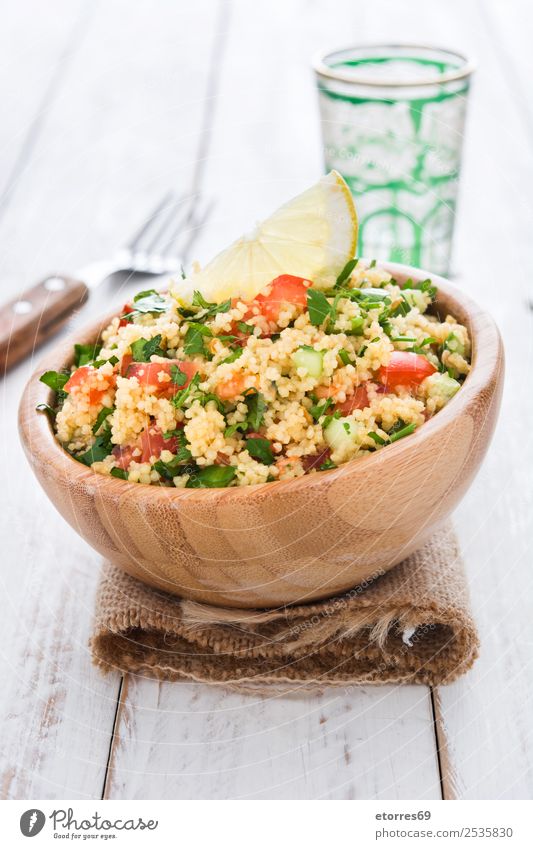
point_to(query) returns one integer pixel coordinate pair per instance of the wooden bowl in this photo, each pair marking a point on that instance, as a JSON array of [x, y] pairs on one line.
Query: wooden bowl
[[289, 541]]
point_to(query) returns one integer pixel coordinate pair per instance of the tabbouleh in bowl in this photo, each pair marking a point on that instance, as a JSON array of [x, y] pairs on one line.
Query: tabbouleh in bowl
[[299, 380]]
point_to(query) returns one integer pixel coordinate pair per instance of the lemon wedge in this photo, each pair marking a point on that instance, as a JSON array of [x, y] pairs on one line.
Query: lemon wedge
[[311, 236]]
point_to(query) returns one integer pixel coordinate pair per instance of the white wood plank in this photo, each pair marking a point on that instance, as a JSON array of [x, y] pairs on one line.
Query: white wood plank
[[265, 146], [484, 718], [31, 71], [189, 741], [124, 124]]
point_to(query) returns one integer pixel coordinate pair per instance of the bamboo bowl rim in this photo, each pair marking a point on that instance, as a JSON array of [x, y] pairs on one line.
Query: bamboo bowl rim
[[41, 444]]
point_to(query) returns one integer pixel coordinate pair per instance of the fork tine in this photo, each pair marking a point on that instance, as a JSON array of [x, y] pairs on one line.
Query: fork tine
[[133, 244], [172, 219], [195, 222]]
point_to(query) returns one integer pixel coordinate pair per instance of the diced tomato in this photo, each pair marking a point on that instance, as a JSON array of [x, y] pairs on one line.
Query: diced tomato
[[123, 455], [358, 400], [97, 384], [231, 387], [314, 461], [284, 289], [127, 308], [149, 374], [405, 369], [153, 443]]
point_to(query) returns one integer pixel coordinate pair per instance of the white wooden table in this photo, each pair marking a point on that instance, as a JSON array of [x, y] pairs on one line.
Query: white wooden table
[[107, 104]]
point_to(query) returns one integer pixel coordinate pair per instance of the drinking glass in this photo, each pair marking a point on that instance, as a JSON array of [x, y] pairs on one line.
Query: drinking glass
[[393, 120]]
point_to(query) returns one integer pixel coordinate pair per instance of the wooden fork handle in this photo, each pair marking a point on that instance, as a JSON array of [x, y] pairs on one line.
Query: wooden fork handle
[[36, 315]]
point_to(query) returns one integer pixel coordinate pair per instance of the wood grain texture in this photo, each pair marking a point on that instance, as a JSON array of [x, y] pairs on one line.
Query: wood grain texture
[[256, 546], [186, 741], [36, 315], [96, 133]]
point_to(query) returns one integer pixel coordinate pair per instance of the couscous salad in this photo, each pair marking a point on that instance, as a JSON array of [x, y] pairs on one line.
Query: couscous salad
[[298, 379]]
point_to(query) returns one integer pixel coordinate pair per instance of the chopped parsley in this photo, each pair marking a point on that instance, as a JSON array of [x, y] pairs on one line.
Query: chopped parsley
[[256, 409], [84, 354], [357, 326], [211, 476], [180, 397], [326, 465], [99, 450], [101, 417], [55, 380], [206, 309], [232, 357], [318, 306], [345, 273], [404, 431], [194, 339], [260, 449], [320, 409], [143, 349], [119, 473], [177, 376], [245, 328], [145, 302]]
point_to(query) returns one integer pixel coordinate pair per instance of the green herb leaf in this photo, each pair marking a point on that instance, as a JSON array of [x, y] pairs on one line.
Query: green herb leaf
[[256, 409], [210, 309], [55, 380], [345, 273], [260, 449], [344, 357], [194, 339], [377, 438], [174, 467], [357, 328], [148, 301], [319, 410], [101, 417], [327, 464], [99, 450], [211, 477], [84, 354], [178, 376], [232, 357], [143, 349], [119, 473], [405, 431], [232, 429], [112, 360], [373, 263], [180, 397], [318, 306], [245, 328]]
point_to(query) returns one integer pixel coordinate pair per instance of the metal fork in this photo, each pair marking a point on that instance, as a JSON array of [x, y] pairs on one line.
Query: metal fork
[[160, 246]]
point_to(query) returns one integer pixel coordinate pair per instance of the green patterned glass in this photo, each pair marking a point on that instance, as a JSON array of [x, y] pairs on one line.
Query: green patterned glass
[[393, 121]]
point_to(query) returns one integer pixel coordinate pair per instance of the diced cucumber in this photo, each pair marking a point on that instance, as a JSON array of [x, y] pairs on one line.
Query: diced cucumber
[[340, 435], [309, 359], [441, 387], [454, 344]]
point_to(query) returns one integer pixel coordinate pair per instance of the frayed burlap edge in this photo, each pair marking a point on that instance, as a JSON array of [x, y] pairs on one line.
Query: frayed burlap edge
[[412, 624]]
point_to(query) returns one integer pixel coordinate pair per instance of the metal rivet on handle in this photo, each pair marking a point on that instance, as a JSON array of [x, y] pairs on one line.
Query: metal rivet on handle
[[22, 307], [54, 284]]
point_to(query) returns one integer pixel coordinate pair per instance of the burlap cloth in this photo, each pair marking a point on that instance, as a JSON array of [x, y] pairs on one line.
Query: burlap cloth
[[412, 624]]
